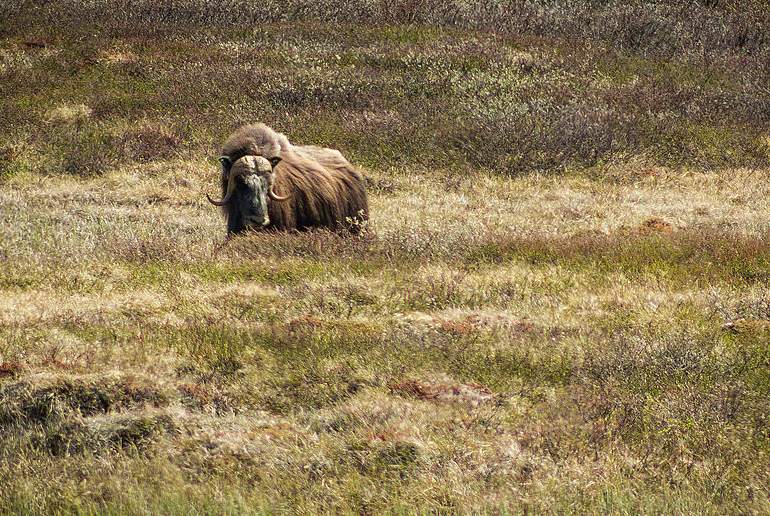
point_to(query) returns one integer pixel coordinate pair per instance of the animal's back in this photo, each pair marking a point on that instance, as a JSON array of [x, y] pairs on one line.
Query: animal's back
[[327, 190]]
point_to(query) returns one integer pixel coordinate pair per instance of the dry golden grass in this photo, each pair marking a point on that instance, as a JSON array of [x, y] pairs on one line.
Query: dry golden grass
[[409, 369], [561, 303]]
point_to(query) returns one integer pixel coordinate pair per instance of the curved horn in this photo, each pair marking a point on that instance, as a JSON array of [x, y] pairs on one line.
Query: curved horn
[[274, 196], [230, 190], [270, 192]]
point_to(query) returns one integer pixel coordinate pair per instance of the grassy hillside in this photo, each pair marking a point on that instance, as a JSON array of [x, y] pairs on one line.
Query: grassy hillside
[[561, 303]]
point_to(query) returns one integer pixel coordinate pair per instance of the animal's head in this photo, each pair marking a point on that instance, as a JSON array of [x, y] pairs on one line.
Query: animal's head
[[249, 184]]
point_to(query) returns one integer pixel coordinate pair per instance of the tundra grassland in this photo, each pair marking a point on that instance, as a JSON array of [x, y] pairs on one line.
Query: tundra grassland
[[561, 303]]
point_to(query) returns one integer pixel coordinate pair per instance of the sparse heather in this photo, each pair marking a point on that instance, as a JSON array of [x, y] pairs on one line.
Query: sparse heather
[[562, 302]]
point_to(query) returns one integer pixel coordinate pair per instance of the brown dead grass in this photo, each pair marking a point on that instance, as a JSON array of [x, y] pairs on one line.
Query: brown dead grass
[[472, 394], [10, 369], [655, 225]]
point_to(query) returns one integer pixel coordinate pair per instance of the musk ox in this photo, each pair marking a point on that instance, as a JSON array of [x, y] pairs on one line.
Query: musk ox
[[268, 183]]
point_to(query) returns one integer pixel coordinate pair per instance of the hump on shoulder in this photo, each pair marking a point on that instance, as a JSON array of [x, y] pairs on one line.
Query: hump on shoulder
[[323, 155], [331, 160]]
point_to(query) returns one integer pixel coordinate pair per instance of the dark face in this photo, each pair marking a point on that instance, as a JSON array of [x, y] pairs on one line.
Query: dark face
[[249, 185], [250, 201]]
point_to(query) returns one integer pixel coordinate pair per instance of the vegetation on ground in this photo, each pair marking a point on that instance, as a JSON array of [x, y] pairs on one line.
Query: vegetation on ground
[[561, 304]]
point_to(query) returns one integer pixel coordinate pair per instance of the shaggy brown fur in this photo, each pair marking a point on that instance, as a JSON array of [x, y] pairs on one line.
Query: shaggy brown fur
[[325, 190]]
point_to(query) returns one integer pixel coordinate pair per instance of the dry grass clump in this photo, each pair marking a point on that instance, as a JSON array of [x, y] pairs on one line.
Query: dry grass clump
[[26, 403], [118, 56], [10, 369], [655, 225], [149, 143], [68, 114], [89, 151], [94, 148], [472, 394]]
